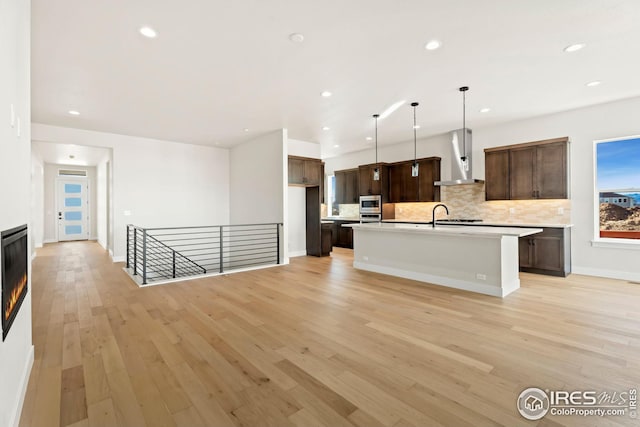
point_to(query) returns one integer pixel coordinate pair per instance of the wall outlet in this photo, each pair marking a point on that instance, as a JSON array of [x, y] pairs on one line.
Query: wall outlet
[[127, 213], [481, 276], [560, 211], [512, 211]]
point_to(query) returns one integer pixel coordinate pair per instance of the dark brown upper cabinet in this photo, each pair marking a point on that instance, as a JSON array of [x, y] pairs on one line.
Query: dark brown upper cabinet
[[347, 186], [534, 170], [305, 171], [405, 188], [368, 186], [428, 173], [497, 175]]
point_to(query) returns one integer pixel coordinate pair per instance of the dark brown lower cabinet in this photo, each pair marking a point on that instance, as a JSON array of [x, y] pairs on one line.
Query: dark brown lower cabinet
[[342, 236], [345, 237], [326, 244], [548, 252]]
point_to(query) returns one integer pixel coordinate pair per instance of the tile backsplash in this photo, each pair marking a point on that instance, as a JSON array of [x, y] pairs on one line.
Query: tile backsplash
[[350, 210], [468, 201]]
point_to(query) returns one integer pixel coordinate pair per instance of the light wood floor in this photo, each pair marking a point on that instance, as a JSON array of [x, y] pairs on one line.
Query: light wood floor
[[315, 343]]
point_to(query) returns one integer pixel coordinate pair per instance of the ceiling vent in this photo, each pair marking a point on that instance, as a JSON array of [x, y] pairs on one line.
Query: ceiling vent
[[72, 172]]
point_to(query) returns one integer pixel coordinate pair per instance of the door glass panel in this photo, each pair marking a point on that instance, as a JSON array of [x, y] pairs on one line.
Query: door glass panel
[[72, 188], [72, 202], [73, 229], [73, 216]]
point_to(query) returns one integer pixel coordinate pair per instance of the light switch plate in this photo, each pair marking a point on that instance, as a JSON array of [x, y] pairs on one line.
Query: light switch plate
[[127, 213]]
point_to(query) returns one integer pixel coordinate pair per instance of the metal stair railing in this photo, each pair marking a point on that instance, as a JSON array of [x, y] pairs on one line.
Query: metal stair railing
[[172, 252]]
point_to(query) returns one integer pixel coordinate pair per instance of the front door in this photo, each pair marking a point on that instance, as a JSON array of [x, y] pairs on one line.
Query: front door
[[73, 209]]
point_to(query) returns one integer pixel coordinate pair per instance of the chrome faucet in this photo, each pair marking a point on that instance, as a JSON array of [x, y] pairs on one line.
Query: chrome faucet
[[433, 213]]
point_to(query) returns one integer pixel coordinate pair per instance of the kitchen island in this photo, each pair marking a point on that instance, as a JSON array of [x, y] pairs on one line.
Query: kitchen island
[[478, 259]]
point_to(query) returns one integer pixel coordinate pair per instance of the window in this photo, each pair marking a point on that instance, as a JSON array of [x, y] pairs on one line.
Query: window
[[331, 194], [618, 188]]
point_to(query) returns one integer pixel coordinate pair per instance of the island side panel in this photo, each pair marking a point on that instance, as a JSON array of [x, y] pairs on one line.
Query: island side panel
[[474, 263]]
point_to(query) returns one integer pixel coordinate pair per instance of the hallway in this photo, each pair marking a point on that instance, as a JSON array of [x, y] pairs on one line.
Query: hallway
[[314, 343]]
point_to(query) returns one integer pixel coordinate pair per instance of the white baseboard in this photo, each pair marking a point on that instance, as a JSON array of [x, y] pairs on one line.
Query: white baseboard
[[610, 274], [24, 382], [49, 241], [116, 258], [441, 280], [33, 256], [297, 253]]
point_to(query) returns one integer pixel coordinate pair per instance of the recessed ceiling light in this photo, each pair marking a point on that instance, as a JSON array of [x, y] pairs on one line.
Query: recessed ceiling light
[[326, 128], [336, 146], [369, 138], [246, 129], [326, 94], [432, 44], [594, 83], [485, 110], [386, 113], [574, 47], [296, 37], [148, 32], [74, 112]]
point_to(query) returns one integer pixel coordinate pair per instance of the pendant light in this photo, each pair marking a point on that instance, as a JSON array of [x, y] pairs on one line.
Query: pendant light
[[464, 90], [414, 166], [376, 170]]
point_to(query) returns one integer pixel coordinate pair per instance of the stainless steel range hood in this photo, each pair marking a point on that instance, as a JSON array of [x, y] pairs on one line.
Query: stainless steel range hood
[[461, 160]]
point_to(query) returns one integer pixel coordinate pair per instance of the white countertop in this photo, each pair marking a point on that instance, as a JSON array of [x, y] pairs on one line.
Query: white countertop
[[339, 218], [450, 230], [483, 223]]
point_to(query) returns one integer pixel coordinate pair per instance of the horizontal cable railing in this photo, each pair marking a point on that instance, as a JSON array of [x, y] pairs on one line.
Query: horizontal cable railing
[[165, 253]]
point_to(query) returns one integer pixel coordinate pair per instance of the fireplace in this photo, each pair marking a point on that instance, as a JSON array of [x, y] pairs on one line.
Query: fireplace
[[14, 264]]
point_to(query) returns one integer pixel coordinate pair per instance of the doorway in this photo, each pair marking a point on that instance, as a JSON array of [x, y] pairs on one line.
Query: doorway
[[73, 209]]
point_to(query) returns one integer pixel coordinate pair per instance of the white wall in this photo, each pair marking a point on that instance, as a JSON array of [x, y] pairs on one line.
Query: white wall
[[16, 352], [37, 201], [50, 202], [582, 126], [437, 146], [101, 202], [297, 221], [161, 183], [258, 182], [296, 200], [296, 147]]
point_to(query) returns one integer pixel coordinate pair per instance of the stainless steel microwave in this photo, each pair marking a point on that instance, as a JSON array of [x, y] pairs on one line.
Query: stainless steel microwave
[[370, 204]]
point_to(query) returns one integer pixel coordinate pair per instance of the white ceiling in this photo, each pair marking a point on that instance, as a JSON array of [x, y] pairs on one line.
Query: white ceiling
[[69, 154], [218, 67]]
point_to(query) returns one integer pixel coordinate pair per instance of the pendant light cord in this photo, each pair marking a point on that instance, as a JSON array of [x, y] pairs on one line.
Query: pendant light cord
[[415, 150], [464, 90], [375, 116], [415, 130], [464, 123]]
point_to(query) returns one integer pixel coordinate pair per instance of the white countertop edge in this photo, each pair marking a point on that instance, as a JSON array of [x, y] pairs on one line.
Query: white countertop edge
[[483, 223], [446, 230]]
